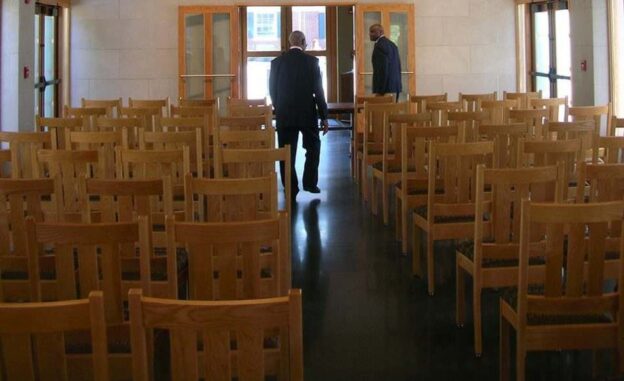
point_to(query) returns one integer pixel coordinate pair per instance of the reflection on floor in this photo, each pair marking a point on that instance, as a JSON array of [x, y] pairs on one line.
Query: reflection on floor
[[366, 317]]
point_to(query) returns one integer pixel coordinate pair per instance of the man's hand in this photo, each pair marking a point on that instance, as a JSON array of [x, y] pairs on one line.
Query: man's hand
[[325, 126]]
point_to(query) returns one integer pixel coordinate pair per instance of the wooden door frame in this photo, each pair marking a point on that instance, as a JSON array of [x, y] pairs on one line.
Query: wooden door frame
[[385, 10]]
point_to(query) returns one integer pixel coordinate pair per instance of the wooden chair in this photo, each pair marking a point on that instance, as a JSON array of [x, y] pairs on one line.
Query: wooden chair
[[606, 182], [248, 163], [449, 213], [534, 120], [33, 337], [161, 104], [388, 170], [246, 102], [88, 115], [584, 131], [254, 139], [610, 149], [60, 126], [420, 101], [472, 102], [102, 142], [570, 309], [523, 99], [247, 111], [505, 138], [112, 106], [491, 259], [498, 110], [145, 115], [23, 147], [412, 190], [616, 124], [557, 108], [595, 114], [546, 153], [360, 122], [467, 123], [198, 102], [66, 168], [5, 163], [440, 111], [248, 325], [227, 200], [243, 123], [235, 260], [130, 124], [376, 119], [177, 140], [19, 199]]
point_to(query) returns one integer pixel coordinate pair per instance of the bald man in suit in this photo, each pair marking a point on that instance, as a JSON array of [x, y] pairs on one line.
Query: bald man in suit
[[296, 89], [386, 63]]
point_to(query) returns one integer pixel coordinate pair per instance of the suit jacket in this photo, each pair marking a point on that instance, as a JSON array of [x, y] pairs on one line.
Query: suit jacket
[[386, 67], [296, 89]]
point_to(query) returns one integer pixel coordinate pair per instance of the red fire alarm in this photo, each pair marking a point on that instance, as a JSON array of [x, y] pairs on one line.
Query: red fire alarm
[[584, 65], [26, 72]]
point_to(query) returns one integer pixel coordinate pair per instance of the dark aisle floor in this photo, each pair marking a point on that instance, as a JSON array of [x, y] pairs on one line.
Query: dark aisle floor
[[365, 316]]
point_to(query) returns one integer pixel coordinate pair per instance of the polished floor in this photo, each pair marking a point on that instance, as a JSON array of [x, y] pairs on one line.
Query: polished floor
[[366, 317]]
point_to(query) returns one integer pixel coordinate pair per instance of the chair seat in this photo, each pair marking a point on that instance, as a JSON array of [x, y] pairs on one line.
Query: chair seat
[[510, 296], [466, 248], [423, 211]]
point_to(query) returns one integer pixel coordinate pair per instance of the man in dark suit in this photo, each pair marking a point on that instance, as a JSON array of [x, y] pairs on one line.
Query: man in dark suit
[[297, 94], [386, 63]]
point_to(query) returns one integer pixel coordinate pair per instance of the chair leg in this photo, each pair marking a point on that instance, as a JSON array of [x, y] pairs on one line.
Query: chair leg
[[460, 295], [384, 202], [364, 180], [520, 358], [476, 318], [505, 349], [416, 252], [372, 192], [398, 226], [430, 266]]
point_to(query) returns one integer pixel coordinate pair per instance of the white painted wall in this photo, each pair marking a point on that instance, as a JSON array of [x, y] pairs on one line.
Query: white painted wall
[[461, 45]]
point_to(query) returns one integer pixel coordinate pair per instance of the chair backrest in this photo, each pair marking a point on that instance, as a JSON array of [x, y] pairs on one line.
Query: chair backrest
[[440, 111], [414, 143], [246, 111], [467, 123], [88, 257], [393, 137], [104, 142], [585, 131], [505, 138], [130, 124], [376, 118], [23, 147], [246, 102], [498, 110], [454, 175], [145, 114], [33, 338], [575, 244], [472, 102], [595, 113], [150, 164], [235, 260], [612, 148], [228, 200], [616, 124], [198, 102], [161, 104], [499, 194], [359, 107], [222, 326], [88, 115], [420, 101], [5, 163], [112, 106], [227, 139], [533, 118], [176, 140], [523, 99], [60, 126], [557, 107]]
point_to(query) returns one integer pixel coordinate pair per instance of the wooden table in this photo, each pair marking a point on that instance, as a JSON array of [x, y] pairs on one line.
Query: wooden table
[[341, 108]]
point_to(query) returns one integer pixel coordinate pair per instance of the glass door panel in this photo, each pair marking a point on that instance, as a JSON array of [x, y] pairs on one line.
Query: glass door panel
[[194, 56], [398, 34], [49, 67], [221, 60], [45, 74], [541, 42]]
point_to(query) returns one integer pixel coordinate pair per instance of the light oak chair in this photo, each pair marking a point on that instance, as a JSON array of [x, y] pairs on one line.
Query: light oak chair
[[534, 120], [234, 260], [610, 149], [88, 115], [558, 108], [34, 345], [411, 191], [145, 115], [472, 102], [419, 103], [523, 99], [572, 308], [172, 140], [104, 142], [246, 102], [594, 113], [616, 124], [498, 110], [198, 102], [267, 336], [161, 104], [203, 122], [467, 123], [23, 147], [112, 106], [60, 126], [5, 163], [505, 138], [491, 258], [440, 111], [449, 213], [585, 131]]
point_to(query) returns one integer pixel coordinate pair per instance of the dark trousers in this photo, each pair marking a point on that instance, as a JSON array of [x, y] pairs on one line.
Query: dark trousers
[[312, 145]]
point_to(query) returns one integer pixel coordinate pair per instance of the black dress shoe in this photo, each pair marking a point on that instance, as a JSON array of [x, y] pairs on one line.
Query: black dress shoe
[[313, 189]]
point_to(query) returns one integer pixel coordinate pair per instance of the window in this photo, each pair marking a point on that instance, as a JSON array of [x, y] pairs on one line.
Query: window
[[46, 73], [265, 24], [551, 64], [616, 10]]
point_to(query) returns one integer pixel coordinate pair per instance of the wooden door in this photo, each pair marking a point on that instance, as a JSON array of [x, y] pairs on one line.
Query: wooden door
[[398, 22], [208, 52]]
